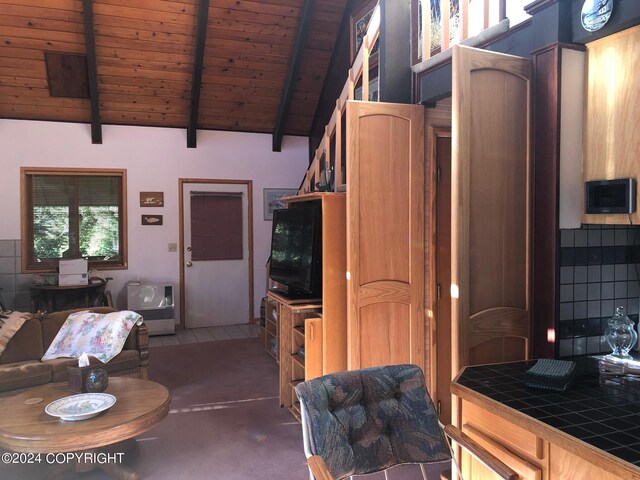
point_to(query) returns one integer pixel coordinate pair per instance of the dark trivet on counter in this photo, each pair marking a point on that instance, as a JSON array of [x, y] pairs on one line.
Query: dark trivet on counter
[[550, 374]]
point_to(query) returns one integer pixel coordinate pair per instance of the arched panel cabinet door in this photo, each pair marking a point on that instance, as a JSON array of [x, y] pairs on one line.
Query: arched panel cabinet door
[[385, 232], [491, 207]]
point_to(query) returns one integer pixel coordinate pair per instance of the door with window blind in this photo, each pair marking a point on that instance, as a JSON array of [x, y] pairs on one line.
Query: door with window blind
[[216, 251]]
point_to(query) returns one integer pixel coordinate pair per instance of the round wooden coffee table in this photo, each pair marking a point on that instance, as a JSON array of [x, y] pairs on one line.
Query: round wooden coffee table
[[25, 427]]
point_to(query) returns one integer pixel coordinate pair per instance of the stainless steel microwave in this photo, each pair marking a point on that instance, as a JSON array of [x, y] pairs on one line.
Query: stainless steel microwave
[[610, 196]]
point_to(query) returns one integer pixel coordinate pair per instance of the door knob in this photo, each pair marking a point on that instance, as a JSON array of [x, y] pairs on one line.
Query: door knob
[[189, 263], [189, 249]]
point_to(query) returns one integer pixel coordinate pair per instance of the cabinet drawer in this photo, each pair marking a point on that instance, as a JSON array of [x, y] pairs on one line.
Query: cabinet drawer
[[475, 470], [514, 437]]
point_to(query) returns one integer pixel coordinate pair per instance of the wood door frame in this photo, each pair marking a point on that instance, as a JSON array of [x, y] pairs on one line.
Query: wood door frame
[[181, 183], [433, 134]]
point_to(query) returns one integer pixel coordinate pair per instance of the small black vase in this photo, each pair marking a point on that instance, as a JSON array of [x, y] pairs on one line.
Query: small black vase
[[97, 380]]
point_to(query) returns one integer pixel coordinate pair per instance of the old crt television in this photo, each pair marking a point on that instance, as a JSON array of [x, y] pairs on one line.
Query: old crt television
[[296, 250]]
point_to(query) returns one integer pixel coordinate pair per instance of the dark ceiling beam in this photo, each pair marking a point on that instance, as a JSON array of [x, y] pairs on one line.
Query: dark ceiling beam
[[292, 74], [196, 78], [92, 71]]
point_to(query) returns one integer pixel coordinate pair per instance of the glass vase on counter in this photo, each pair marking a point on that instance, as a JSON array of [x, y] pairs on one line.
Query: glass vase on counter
[[621, 334]]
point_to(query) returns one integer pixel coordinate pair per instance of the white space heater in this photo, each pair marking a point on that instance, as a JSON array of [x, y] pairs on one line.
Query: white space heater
[[154, 301]]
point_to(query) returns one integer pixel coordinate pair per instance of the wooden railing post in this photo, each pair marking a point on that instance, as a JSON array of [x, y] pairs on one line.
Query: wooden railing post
[[426, 29], [365, 69], [464, 19], [445, 15], [352, 84], [485, 22], [339, 134]]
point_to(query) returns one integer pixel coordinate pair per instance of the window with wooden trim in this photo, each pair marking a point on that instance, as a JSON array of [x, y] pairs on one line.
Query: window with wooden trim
[[73, 213]]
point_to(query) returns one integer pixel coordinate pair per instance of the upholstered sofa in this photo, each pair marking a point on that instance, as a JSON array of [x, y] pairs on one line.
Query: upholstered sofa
[[21, 365]]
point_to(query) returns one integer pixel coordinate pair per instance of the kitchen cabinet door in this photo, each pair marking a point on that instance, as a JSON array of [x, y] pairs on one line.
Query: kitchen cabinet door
[[612, 113], [491, 207], [567, 466]]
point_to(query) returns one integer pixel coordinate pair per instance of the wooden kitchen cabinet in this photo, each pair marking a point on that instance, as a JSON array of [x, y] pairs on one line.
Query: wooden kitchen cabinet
[[474, 469], [567, 466], [612, 113], [517, 447], [528, 454]]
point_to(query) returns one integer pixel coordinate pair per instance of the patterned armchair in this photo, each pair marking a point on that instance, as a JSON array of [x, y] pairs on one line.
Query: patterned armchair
[[368, 420], [365, 421]]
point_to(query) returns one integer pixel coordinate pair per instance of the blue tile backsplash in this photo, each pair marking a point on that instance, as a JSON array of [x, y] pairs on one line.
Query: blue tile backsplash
[[599, 271]]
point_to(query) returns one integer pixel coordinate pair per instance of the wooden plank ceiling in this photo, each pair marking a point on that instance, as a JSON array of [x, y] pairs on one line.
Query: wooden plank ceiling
[[145, 58]]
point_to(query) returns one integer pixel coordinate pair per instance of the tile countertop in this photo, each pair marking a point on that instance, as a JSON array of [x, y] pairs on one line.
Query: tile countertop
[[601, 412]]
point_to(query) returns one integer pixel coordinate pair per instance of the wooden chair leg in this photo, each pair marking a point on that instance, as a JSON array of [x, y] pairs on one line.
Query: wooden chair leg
[[319, 468]]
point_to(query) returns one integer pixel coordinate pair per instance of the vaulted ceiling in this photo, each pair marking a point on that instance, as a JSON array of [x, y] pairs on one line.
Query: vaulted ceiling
[[145, 54]]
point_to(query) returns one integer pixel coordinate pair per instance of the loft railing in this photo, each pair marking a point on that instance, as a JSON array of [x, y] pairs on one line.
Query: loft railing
[[448, 22], [328, 166], [465, 18]]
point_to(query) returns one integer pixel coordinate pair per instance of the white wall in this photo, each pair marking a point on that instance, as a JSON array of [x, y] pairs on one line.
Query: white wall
[[154, 158]]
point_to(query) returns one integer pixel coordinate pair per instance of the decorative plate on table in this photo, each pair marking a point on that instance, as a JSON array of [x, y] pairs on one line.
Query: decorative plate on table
[[80, 406]]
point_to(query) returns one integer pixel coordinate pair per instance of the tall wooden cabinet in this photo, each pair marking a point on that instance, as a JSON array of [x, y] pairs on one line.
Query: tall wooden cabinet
[[385, 232], [491, 208], [313, 333]]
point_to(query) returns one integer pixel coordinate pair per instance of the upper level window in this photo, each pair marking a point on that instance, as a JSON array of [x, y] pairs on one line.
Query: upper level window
[[73, 213], [438, 24], [515, 11]]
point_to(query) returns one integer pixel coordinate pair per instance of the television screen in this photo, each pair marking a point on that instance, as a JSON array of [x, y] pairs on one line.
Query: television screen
[[296, 250]]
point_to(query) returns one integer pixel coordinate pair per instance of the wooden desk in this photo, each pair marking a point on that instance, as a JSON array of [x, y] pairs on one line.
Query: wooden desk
[[76, 296]]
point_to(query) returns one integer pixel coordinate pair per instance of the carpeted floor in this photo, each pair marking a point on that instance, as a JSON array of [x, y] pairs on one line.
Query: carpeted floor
[[225, 422]]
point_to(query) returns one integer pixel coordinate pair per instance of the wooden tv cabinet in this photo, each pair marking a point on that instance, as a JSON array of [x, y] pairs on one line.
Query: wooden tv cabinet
[[317, 325]]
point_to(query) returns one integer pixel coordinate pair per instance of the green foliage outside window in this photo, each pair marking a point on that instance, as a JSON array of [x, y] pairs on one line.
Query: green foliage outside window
[[50, 231], [99, 231], [74, 216]]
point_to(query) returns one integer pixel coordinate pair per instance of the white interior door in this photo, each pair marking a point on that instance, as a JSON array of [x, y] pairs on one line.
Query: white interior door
[[216, 254]]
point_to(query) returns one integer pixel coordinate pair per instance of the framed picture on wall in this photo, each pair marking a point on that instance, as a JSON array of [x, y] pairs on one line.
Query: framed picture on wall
[[272, 199], [152, 199], [151, 219]]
